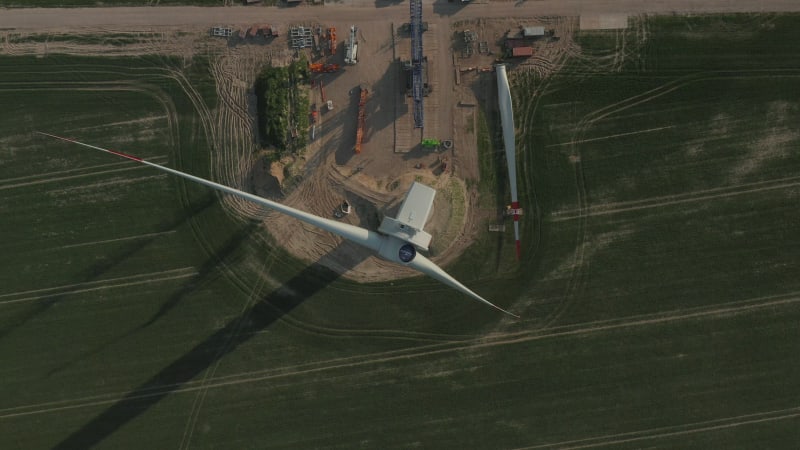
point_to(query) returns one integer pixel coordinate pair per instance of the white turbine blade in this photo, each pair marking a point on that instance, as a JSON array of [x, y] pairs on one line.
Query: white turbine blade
[[362, 236], [507, 124], [507, 119], [367, 238], [427, 267]]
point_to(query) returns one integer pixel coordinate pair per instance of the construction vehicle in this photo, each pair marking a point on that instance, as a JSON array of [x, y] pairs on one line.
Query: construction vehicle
[[326, 68], [431, 143], [352, 47], [332, 40], [362, 116], [343, 210]]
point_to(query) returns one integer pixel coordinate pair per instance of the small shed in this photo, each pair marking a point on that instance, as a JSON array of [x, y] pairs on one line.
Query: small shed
[[530, 32], [522, 52]]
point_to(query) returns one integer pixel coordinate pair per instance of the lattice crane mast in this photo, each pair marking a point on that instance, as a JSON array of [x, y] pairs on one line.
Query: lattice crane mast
[[418, 85]]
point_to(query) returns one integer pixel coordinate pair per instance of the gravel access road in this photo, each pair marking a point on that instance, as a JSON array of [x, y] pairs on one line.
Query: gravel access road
[[358, 10]]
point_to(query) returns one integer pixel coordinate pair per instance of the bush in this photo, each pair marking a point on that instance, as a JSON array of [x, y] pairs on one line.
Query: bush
[[282, 106]]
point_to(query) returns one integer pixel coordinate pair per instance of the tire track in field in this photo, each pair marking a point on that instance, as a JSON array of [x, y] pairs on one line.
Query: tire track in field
[[612, 136], [527, 179], [578, 272], [254, 297], [122, 239], [500, 339], [584, 211], [197, 101], [154, 92], [572, 51], [687, 197], [71, 177], [40, 176], [377, 333], [89, 286], [577, 277], [676, 430], [234, 73], [208, 126], [652, 318], [143, 120]]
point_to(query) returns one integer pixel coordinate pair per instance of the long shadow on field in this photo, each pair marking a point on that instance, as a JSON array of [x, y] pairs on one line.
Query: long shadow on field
[[261, 315], [211, 264], [97, 270]]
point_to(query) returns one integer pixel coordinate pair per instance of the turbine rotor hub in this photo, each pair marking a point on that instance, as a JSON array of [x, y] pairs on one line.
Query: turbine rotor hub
[[406, 253]]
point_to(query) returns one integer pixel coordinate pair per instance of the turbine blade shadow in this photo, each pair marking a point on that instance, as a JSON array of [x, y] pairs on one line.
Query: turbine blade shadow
[[96, 271], [261, 315], [213, 262], [174, 300]]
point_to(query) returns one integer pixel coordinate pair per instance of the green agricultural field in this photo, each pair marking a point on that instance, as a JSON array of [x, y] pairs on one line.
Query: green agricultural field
[[659, 285]]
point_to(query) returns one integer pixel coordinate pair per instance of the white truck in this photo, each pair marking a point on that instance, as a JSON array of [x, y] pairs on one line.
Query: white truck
[[352, 47]]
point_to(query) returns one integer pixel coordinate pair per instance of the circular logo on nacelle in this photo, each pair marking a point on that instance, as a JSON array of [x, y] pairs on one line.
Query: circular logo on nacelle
[[407, 253]]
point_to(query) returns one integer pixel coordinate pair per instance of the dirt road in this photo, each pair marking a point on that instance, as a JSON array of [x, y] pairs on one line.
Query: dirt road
[[358, 10]]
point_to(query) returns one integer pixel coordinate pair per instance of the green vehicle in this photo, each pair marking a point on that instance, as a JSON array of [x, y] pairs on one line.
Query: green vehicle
[[430, 143]]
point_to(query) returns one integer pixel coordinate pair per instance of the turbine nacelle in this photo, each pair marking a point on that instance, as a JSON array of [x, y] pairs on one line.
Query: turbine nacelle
[[411, 218]]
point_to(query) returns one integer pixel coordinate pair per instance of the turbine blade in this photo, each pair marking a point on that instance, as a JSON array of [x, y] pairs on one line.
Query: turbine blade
[[426, 266], [362, 236], [507, 122]]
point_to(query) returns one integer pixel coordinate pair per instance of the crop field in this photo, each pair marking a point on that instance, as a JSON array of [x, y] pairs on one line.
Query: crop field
[[659, 285]]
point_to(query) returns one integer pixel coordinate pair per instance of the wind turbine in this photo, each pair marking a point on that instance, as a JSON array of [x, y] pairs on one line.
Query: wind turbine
[[396, 240]]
